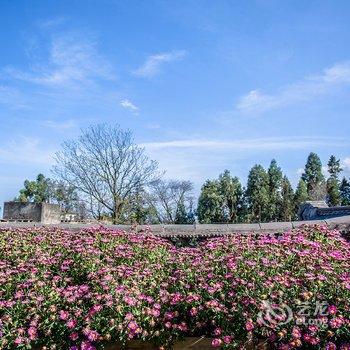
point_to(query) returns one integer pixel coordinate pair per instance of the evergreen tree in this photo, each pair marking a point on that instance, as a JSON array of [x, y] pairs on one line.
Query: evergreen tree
[[37, 191], [301, 194], [231, 190], [345, 192], [314, 178], [210, 203], [287, 209], [258, 193], [333, 185], [183, 216], [275, 183]]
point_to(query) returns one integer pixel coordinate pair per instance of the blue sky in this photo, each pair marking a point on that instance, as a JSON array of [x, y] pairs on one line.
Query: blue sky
[[204, 85]]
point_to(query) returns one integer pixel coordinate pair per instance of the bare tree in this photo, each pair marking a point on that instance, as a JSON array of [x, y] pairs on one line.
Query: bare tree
[[168, 197], [106, 165]]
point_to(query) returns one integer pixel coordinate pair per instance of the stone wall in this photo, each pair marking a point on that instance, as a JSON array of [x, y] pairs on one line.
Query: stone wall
[[35, 212], [198, 230]]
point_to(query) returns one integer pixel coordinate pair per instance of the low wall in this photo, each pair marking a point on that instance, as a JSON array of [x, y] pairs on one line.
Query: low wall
[[201, 230], [45, 213], [22, 211]]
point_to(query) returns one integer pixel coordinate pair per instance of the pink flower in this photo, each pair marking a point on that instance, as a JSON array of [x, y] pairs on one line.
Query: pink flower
[[64, 315], [193, 311], [296, 333], [249, 326], [92, 335], [332, 309], [227, 339], [87, 346], [331, 346], [217, 331], [216, 343], [71, 324], [74, 336], [33, 333]]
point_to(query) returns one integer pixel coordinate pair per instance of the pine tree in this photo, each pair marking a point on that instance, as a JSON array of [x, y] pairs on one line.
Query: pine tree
[[334, 167], [345, 192], [182, 216], [231, 190], [275, 182], [287, 209], [333, 185], [301, 194], [210, 203], [313, 177], [258, 193]]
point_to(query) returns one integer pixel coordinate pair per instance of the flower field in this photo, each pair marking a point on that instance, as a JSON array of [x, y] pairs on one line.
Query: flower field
[[83, 290]]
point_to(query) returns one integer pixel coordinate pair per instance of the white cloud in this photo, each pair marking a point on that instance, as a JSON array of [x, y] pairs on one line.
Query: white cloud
[[153, 63], [73, 61], [310, 87], [59, 125], [300, 171], [251, 144], [127, 104], [25, 150], [153, 126]]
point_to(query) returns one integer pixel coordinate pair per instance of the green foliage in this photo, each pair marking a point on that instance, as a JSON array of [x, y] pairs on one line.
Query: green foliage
[[333, 184], [184, 216], [275, 197], [221, 200], [345, 192], [210, 203], [313, 176], [334, 167], [231, 190], [287, 209], [301, 194], [37, 191], [258, 193], [333, 192]]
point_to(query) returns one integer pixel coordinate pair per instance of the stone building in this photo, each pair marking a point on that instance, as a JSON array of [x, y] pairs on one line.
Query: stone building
[[319, 210], [44, 213]]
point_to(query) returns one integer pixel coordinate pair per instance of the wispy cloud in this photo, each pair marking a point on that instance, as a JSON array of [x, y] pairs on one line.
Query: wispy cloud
[[11, 97], [153, 63], [251, 144], [73, 61], [307, 89], [25, 150], [59, 125], [52, 22], [153, 126], [127, 104]]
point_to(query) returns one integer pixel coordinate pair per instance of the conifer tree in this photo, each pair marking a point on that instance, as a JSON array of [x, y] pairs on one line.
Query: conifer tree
[[220, 200], [258, 193], [231, 190], [333, 184], [301, 194], [287, 209], [275, 183], [345, 192], [313, 177], [210, 203]]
